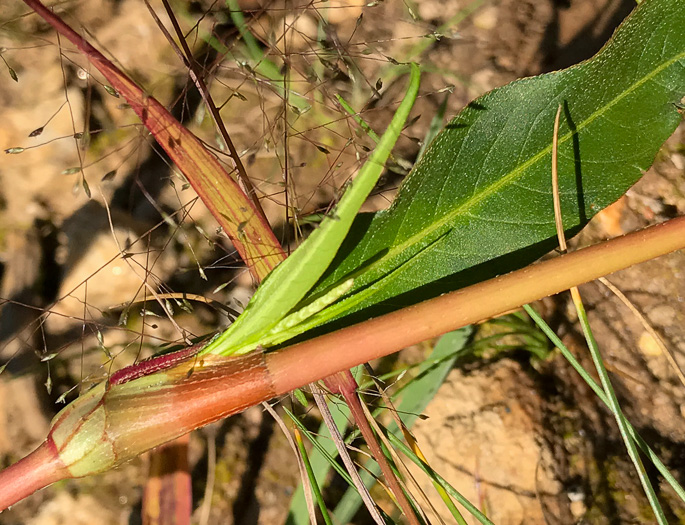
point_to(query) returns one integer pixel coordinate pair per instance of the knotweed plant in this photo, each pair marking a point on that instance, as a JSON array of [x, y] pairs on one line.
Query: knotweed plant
[[457, 245]]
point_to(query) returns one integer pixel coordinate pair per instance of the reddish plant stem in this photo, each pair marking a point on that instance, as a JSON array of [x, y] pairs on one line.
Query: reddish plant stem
[[345, 384], [246, 227], [107, 427], [305, 362], [150, 410], [37, 470]]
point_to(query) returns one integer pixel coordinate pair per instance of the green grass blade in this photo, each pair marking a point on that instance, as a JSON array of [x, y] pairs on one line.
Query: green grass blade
[[437, 478], [435, 126], [357, 118], [285, 287], [312, 479], [328, 456], [646, 449], [321, 458], [615, 408]]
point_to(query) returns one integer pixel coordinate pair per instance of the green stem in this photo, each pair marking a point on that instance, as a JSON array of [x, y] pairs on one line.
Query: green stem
[[663, 470], [312, 478]]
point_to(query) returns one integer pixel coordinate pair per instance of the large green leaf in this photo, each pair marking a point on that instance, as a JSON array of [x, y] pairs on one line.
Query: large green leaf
[[479, 202]]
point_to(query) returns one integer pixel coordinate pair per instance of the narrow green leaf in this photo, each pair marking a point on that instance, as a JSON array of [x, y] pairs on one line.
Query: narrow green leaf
[[599, 392], [285, 287], [312, 479], [615, 408], [301, 397], [483, 186], [357, 118], [437, 478], [322, 459], [435, 126]]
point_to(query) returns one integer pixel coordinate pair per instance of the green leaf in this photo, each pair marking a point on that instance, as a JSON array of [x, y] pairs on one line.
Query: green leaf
[[482, 192], [290, 281]]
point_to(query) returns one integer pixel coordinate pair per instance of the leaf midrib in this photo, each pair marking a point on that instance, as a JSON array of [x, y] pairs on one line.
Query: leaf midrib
[[510, 177]]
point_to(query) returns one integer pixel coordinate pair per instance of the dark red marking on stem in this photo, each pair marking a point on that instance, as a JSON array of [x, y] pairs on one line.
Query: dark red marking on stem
[[153, 364]]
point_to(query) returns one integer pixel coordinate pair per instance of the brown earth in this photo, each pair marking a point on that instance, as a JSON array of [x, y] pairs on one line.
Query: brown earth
[[524, 439]]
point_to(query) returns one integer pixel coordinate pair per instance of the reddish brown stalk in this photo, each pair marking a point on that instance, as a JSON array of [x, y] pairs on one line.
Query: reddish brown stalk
[[345, 384], [304, 362], [107, 426], [244, 225], [166, 498], [241, 218]]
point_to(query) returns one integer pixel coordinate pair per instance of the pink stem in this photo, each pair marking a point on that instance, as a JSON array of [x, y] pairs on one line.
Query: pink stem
[[34, 472]]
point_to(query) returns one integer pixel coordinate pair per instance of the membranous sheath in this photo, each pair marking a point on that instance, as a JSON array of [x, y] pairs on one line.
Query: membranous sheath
[[154, 364]]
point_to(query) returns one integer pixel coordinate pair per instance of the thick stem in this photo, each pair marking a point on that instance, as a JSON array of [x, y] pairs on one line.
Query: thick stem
[[112, 424], [305, 362], [34, 472]]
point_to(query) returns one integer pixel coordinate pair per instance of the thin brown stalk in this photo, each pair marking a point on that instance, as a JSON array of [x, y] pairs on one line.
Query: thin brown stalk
[[341, 383], [143, 279], [233, 314], [345, 455], [555, 185], [206, 507], [187, 58], [613, 404], [408, 437], [648, 327]]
